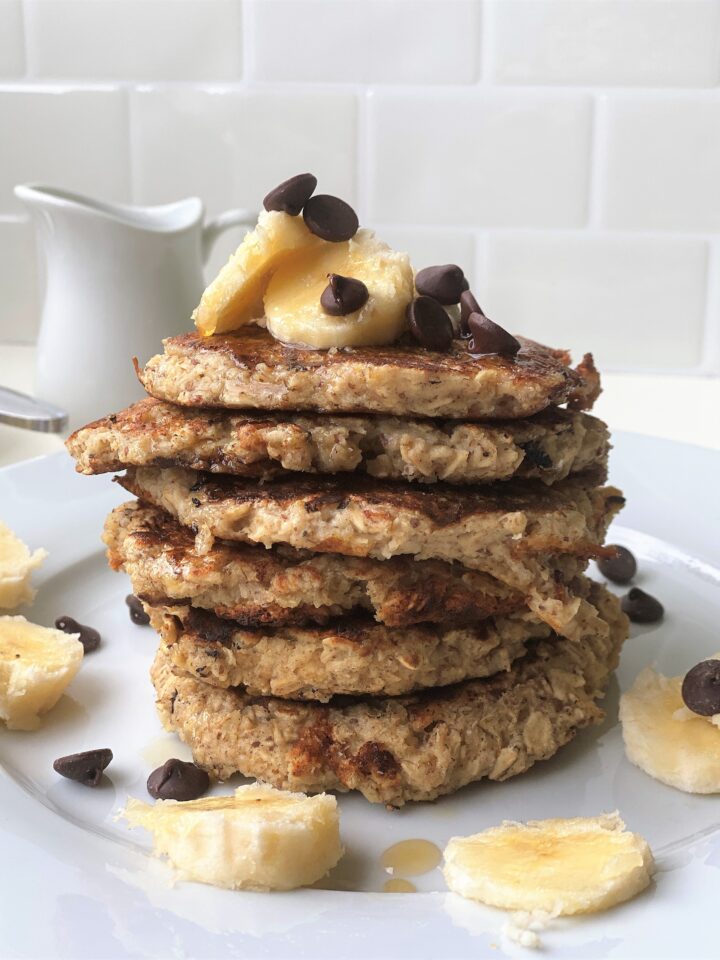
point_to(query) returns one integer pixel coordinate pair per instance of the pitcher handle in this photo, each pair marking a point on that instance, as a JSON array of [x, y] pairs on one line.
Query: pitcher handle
[[231, 218]]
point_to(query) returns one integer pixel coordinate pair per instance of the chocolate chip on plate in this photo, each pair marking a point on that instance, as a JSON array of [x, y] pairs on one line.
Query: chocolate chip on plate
[[468, 305], [621, 567], [444, 283], [701, 688], [137, 611], [429, 323], [86, 768], [89, 637], [177, 780], [641, 607], [330, 218], [343, 295], [489, 337], [291, 195]]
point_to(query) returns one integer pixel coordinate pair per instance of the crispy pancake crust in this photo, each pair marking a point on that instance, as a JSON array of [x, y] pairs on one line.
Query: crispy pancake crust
[[511, 535], [250, 369], [283, 586], [351, 655], [400, 749], [156, 434]]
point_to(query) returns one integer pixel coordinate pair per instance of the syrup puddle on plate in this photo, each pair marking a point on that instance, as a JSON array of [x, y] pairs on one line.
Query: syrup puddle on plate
[[408, 858]]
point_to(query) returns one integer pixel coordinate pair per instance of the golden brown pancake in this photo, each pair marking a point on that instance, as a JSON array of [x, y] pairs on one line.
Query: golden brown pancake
[[397, 749], [512, 535], [350, 655], [151, 433], [250, 369]]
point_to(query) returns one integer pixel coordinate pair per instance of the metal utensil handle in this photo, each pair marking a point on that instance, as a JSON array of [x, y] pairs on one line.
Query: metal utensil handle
[[20, 410]]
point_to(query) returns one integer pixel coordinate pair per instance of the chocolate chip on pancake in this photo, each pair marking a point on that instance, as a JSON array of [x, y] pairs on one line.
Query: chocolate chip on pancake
[[177, 780], [343, 295], [430, 324], [137, 611], [330, 218], [621, 567], [641, 607], [468, 305], [291, 195], [86, 768], [89, 637], [444, 283], [489, 337], [701, 688]]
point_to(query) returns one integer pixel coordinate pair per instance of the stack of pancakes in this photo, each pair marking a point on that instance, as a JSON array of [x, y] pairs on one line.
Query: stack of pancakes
[[365, 566]]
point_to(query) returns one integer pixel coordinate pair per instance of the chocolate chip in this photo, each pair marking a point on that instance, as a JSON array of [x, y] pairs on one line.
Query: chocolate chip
[[177, 780], [701, 688], [535, 455], [489, 337], [621, 567], [429, 323], [468, 305], [86, 768], [291, 195], [89, 637], [137, 611], [330, 218], [444, 283], [343, 295], [641, 607]]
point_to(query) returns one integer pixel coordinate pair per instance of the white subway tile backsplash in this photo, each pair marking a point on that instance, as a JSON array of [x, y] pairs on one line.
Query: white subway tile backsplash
[[662, 162], [64, 136], [631, 301], [615, 42], [427, 247], [12, 47], [366, 41], [508, 136], [181, 142], [495, 158], [230, 146], [19, 310], [138, 39]]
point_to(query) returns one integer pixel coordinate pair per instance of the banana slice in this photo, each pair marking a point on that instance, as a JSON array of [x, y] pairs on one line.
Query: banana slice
[[234, 298], [292, 301], [16, 566], [559, 867], [665, 739], [258, 838], [36, 665]]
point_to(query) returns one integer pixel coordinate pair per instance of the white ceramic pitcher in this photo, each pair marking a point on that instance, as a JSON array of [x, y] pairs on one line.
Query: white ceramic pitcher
[[115, 280]]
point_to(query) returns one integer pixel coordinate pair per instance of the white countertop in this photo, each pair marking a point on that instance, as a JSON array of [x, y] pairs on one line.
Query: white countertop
[[685, 408]]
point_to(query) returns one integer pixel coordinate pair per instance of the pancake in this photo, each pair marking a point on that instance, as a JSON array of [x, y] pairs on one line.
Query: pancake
[[250, 369], [399, 749], [156, 434], [283, 586], [350, 655], [510, 536]]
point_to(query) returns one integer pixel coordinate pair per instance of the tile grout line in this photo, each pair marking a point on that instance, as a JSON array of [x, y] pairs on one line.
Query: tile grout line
[[598, 127]]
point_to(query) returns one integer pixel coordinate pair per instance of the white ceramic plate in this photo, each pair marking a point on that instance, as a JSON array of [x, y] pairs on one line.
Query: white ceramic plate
[[76, 884]]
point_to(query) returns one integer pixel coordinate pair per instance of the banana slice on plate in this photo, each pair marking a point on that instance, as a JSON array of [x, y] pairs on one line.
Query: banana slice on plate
[[36, 665], [235, 297], [292, 301], [579, 865], [258, 838], [665, 739], [16, 566]]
